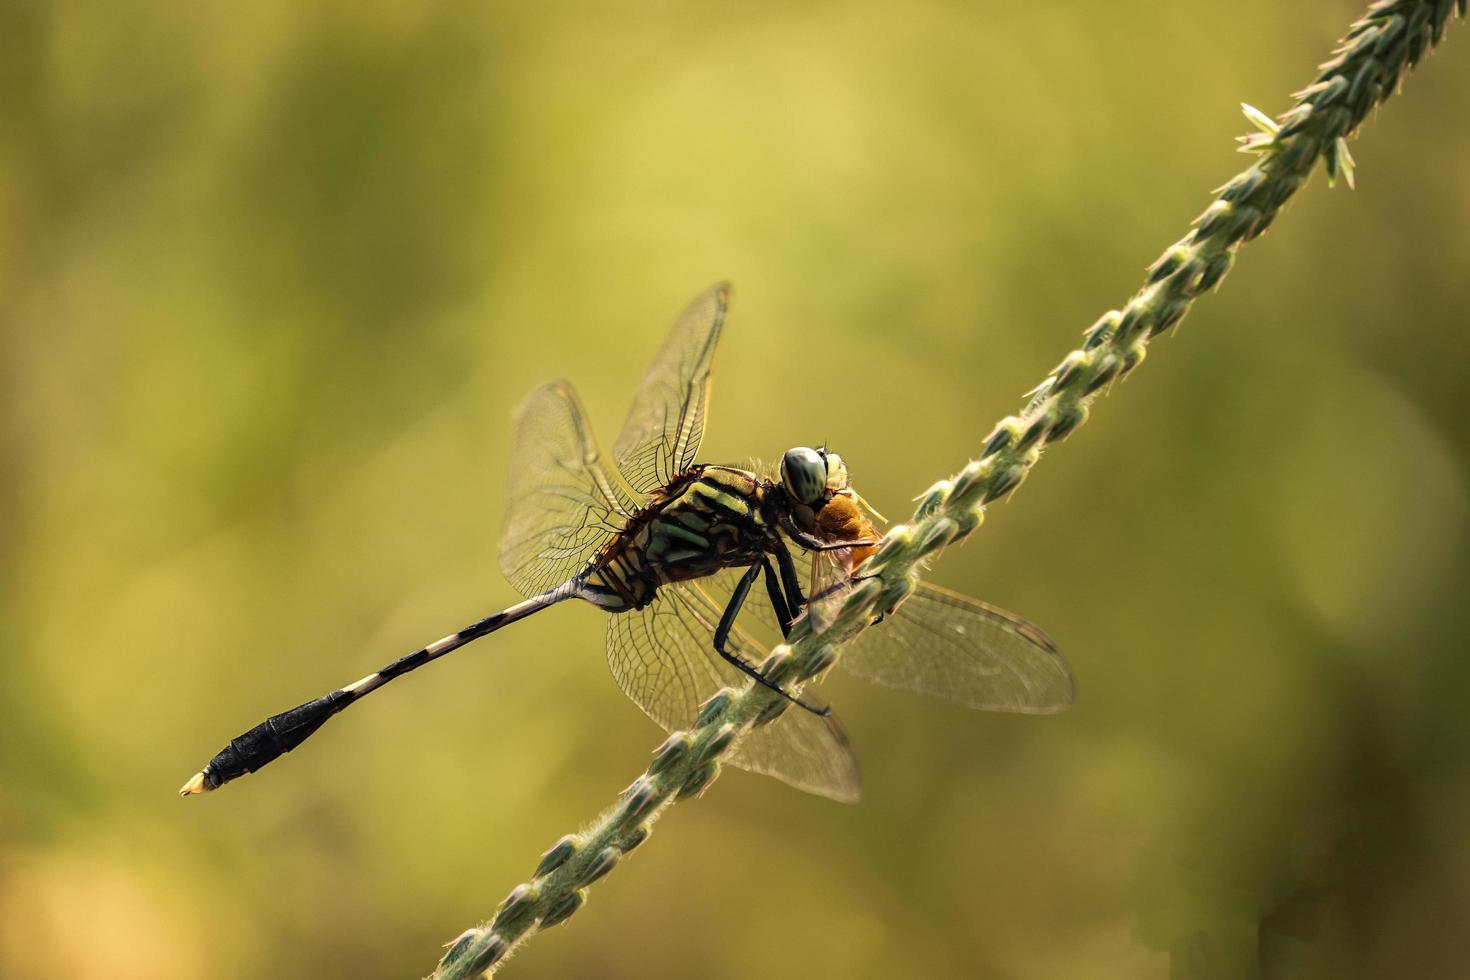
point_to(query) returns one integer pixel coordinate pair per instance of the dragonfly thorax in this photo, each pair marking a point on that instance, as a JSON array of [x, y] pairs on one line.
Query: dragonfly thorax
[[708, 518]]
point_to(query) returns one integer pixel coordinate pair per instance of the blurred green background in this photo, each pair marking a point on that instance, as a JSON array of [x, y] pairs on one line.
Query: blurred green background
[[273, 279]]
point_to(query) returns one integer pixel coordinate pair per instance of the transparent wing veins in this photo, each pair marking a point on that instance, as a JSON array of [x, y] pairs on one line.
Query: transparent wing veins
[[562, 504], [661, 435], [663, 658], [951, 646]]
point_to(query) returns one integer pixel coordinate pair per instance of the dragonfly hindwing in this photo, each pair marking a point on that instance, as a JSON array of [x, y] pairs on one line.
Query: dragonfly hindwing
[[663, 658]]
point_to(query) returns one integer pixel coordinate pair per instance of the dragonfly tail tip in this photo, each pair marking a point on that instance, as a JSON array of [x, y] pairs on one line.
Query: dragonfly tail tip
[[200, 783]]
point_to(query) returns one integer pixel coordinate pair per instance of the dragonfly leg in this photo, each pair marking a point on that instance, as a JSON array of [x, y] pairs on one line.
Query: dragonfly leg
[[777, 597], [795, 601], [840, 545], [813, 543], [722, 636]]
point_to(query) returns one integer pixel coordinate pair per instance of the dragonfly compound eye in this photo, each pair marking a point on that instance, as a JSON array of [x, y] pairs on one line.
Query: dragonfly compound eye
[[804, 473]]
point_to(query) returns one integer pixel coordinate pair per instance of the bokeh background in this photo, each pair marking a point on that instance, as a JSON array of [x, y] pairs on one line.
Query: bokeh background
[[273, 279]]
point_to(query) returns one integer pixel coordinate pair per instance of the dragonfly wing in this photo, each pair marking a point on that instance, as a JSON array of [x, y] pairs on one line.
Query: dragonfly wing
[[661, 435], [827, 587], [663, 658], [562, 503], [950, 646]]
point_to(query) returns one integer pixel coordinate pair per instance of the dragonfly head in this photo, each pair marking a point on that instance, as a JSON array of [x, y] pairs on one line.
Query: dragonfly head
[[811, 476]]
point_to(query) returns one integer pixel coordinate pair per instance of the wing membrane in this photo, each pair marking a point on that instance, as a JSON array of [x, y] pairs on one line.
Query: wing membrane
[[950, 646], [661, 435], [663, 658], [562, 504]]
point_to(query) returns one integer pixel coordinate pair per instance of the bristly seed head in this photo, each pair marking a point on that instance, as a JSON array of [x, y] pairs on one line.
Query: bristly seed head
[[773, 663], [824, 658], [490, 954], [605, 861], [1005, 433], [720, 741], [714, 706], [459, 947], [639, 799], [968, 481], [673, 750], [773, 710], [1068, 415], [698, 780], [560, 852], [931, 499], [564, 908], [516, 909]]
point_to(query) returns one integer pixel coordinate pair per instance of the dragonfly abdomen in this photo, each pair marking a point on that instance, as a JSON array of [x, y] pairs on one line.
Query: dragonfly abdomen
[[618, 583]]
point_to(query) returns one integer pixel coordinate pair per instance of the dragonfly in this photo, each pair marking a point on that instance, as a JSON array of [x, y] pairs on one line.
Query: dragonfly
[[672, 549]]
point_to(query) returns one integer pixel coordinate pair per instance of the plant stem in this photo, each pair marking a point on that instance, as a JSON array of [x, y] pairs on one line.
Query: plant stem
[[1366, 69]]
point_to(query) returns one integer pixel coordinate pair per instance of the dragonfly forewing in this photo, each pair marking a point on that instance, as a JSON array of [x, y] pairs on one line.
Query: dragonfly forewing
[[663, 430], [563, 504]]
